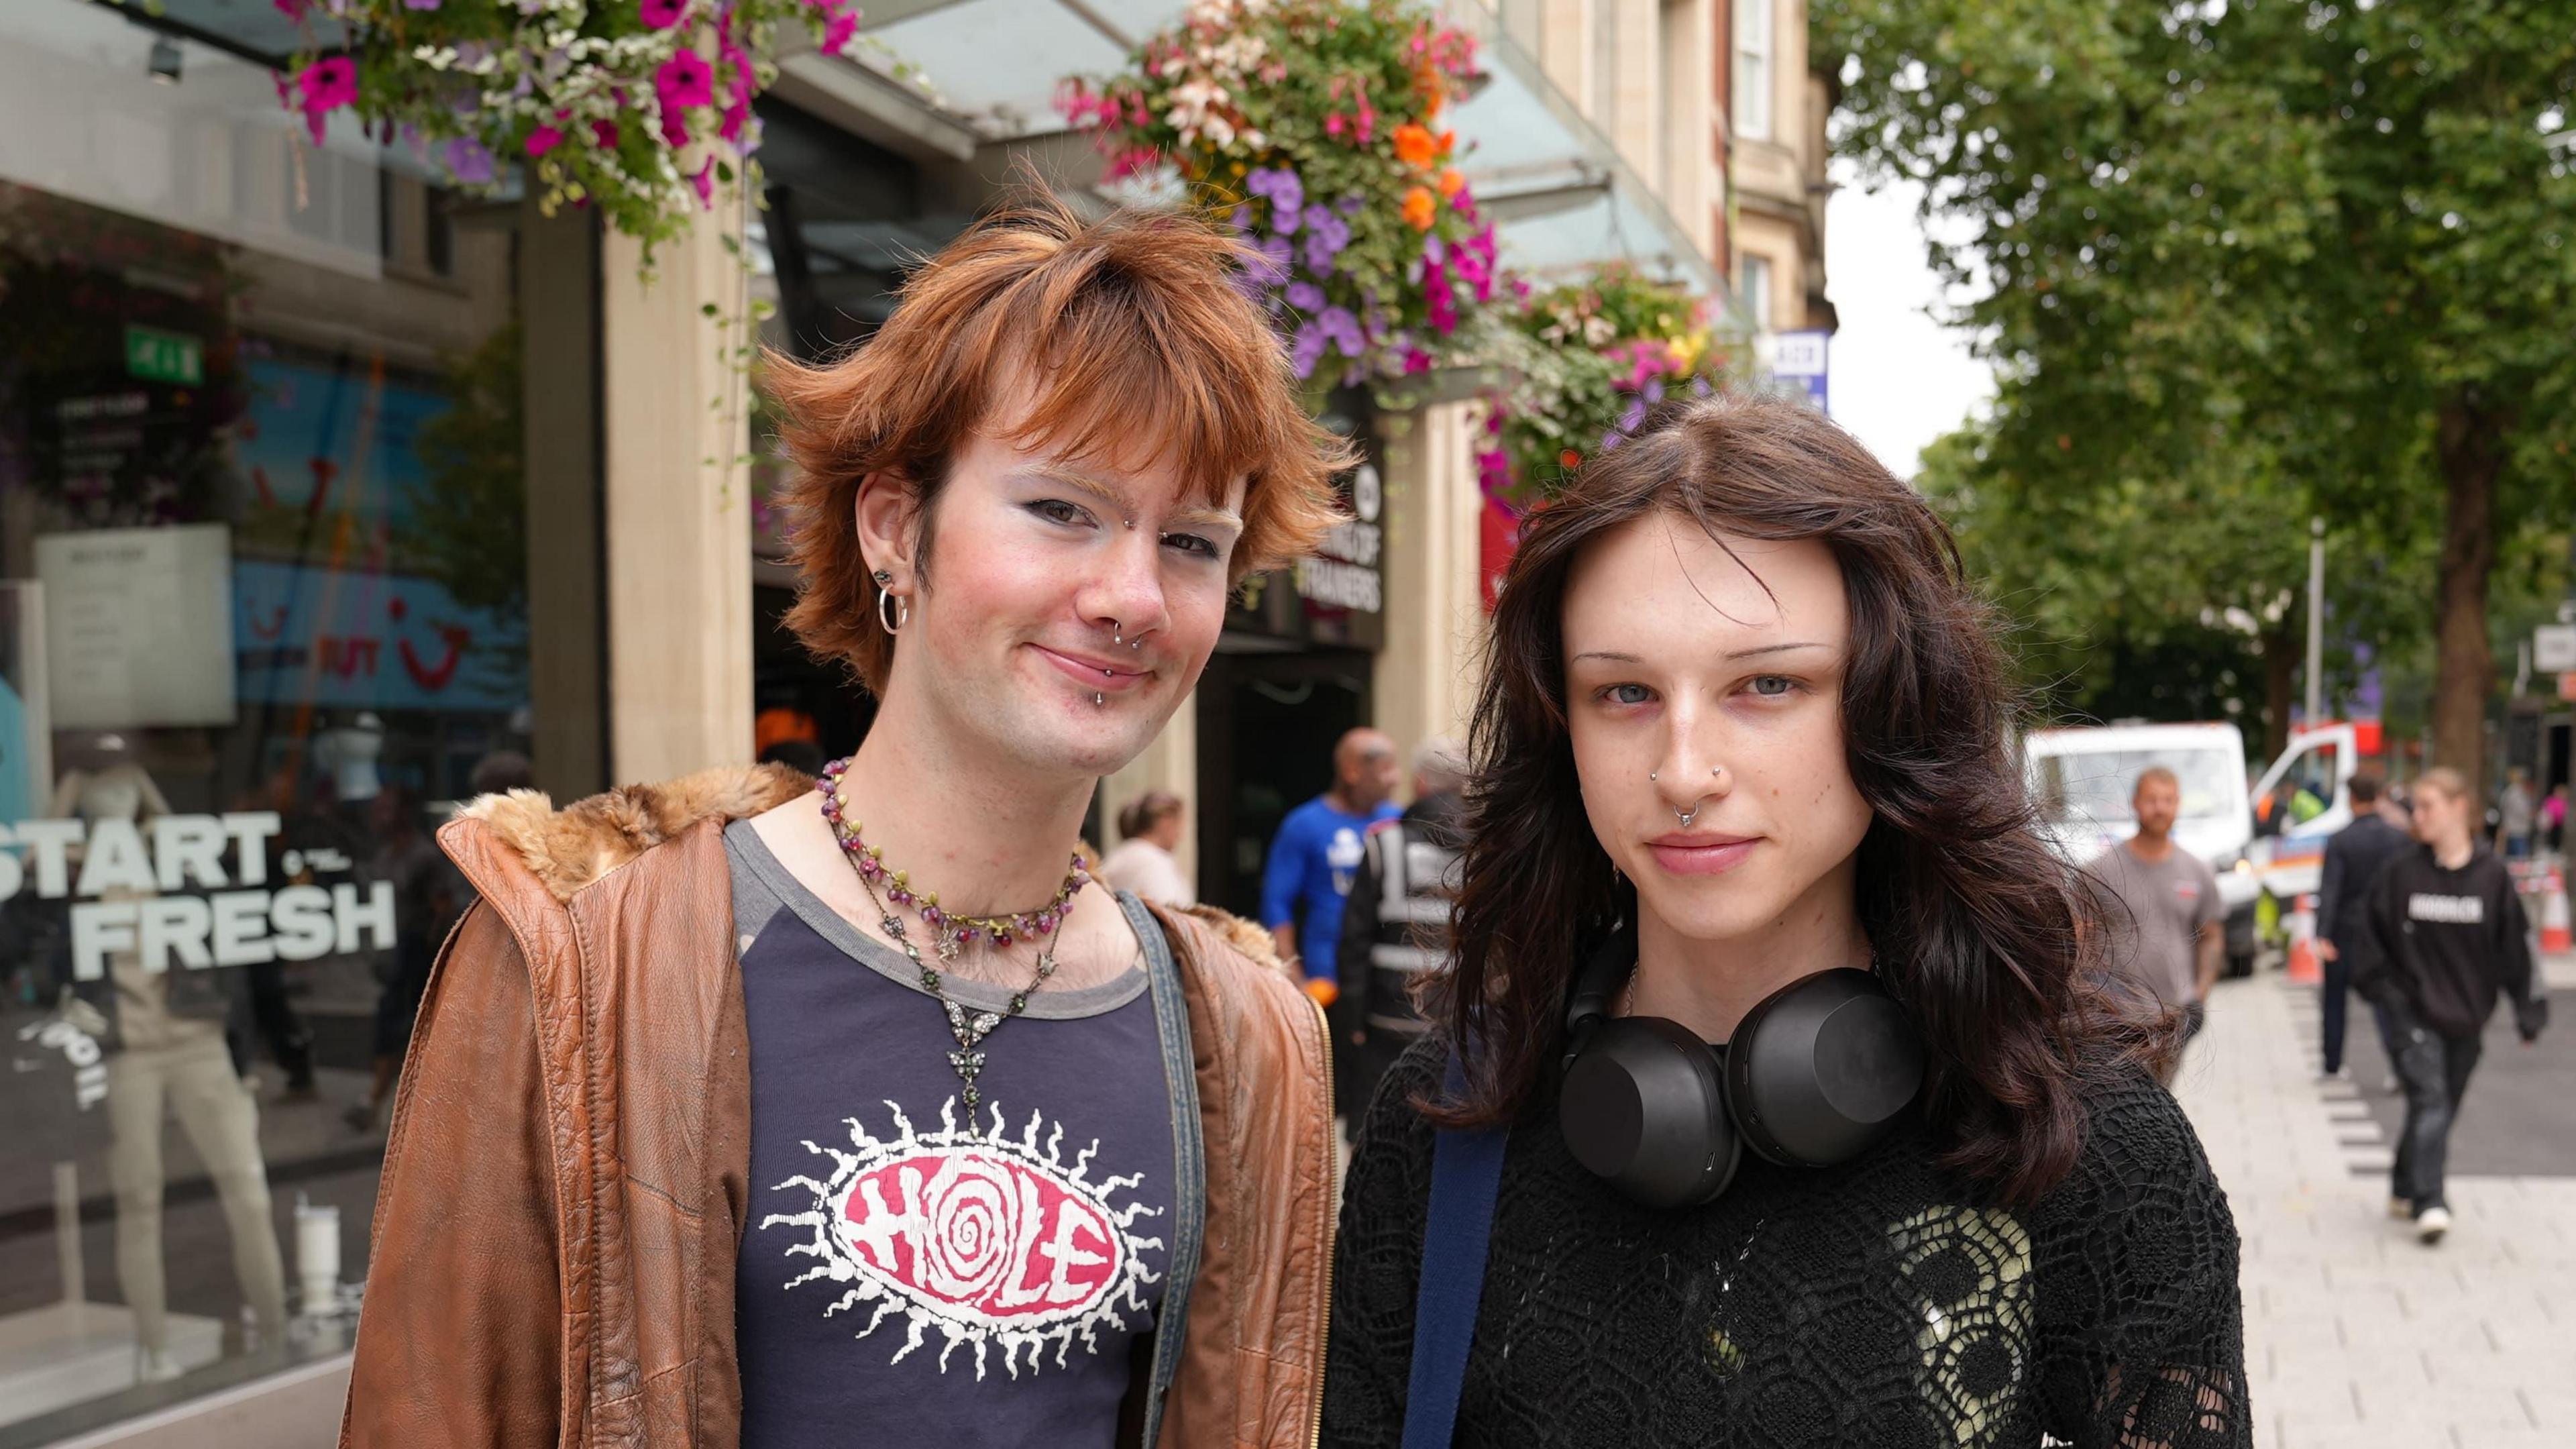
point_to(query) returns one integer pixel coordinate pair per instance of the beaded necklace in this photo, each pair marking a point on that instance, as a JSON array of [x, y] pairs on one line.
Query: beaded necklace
[[951, 933]]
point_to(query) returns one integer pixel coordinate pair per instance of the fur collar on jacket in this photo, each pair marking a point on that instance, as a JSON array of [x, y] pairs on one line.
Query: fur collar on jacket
[[568, 848]]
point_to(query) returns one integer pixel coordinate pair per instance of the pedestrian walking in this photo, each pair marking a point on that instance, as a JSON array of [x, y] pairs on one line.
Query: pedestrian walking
[[752, 1112], [1316, 856], [1142, 864], [2448, 938], [1395, 928], [2517, 815], [2167, 926], [2355, 855], [1777, 1097]]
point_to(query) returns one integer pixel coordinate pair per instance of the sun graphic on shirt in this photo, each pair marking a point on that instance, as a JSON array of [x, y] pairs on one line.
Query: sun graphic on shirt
[[985, 1239]]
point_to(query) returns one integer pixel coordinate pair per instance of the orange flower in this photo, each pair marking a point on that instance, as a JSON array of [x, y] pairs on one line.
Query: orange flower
[[1450, 184], [1415, 145], [1448, 143], [1419, 208], [1568, 458]]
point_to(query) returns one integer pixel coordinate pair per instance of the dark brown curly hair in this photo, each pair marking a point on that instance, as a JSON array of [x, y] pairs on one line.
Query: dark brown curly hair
[[1991, 942]]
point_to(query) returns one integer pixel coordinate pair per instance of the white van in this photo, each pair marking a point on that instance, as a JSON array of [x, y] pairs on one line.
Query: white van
[[2082, 780]]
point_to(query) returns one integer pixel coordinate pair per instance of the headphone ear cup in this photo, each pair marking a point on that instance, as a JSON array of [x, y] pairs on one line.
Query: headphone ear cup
[[1642, 1107], [1821, 1069]]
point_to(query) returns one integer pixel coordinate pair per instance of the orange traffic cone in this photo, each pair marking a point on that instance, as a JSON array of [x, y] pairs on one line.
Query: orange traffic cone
[[2553, 913], [2301, 924]]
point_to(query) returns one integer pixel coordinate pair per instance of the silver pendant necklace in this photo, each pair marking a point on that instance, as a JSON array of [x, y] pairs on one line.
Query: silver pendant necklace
[[969, 1027]]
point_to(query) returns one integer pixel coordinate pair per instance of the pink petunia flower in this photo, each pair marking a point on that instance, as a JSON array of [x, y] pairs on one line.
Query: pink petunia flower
[[705, 181], [685, 80], [605, 134], [543, 139], [661, 14], [329, 83], [839, 31]]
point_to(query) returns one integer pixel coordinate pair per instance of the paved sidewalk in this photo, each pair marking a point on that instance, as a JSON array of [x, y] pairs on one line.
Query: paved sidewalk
[[2357, 1336]]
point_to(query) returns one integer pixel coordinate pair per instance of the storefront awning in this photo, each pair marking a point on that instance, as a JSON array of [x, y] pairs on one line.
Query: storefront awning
[[1562, 193]]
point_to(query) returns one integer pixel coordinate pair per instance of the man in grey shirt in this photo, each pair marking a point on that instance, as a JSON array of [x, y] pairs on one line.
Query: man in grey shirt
[[2166, 921]]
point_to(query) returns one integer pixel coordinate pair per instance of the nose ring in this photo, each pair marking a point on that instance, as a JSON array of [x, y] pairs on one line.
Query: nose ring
[[1686, 816]]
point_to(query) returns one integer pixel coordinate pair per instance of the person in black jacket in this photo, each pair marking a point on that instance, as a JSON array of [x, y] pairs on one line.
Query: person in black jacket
[[2448, 936], [2354, 858], [1396, 926]]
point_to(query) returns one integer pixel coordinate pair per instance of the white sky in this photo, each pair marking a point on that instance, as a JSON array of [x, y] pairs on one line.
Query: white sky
[[1899, 378]]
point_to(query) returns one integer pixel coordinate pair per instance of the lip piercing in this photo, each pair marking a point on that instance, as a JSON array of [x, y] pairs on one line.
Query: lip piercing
[[1098, 698]]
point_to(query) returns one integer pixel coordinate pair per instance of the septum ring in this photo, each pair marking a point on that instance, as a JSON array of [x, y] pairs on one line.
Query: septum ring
[[1686, 816]]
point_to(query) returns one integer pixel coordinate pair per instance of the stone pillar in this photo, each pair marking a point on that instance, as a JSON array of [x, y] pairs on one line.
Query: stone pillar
[[559, 295], [678, 508], [1426, 675]]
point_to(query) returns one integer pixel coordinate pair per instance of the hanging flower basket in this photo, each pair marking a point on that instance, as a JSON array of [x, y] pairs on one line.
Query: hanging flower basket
[[1313, 127], [1588, 359], [640, 108]]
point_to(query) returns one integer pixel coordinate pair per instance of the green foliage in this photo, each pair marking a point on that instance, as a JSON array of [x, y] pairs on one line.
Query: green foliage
[[2249, 260], [1586, 360]]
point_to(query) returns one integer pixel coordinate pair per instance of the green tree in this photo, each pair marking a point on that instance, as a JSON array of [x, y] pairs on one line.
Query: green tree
[[2337, 240]]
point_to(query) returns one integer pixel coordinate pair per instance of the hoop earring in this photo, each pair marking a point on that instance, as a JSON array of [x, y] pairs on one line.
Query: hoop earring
[[892, 612]]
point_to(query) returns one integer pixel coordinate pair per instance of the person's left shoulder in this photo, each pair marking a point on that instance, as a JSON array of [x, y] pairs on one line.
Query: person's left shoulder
[[2143, 1177]]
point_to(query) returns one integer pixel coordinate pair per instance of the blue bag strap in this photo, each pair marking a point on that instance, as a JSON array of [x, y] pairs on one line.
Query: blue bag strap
[[1466, 1173]]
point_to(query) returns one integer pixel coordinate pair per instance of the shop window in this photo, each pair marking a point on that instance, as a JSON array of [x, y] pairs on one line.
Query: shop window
[[263, 613]]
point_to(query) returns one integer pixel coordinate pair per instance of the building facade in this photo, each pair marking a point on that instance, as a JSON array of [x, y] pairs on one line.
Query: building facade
[[330, 496]]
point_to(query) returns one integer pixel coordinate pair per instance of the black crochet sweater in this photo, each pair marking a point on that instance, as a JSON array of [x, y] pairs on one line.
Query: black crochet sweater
[[1879, 1303]]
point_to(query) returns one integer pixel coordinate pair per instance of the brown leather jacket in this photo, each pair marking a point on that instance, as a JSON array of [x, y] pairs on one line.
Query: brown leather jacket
[[564, 1186]]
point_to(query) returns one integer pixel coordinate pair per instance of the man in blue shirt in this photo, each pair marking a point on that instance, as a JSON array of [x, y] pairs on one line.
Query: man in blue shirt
[[1319, 848]]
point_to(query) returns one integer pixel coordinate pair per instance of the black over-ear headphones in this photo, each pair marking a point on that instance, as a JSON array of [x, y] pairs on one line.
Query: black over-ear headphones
[[1818, 1072]]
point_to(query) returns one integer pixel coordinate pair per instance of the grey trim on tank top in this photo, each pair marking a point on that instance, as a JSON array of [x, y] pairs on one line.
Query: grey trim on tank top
[[751, 856]]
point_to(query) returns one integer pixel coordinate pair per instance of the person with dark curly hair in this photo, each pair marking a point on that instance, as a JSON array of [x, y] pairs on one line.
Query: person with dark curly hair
[[1781, 1094]]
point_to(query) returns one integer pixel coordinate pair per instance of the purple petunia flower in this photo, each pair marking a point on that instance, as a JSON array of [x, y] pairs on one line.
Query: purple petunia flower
[[1352, 205], [1287, 194], [1305, 296], [1326, 236], [1342, 329], [1268, 266], [467, 161], [1307, 350]]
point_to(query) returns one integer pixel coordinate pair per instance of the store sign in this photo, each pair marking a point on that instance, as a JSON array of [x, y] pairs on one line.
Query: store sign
[[2553, 648], [172, 357], [1344, 572], [1798, 360], [125, 881], [138, 626]]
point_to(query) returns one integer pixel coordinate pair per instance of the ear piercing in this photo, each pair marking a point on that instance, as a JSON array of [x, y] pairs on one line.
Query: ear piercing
[[892, 612]]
